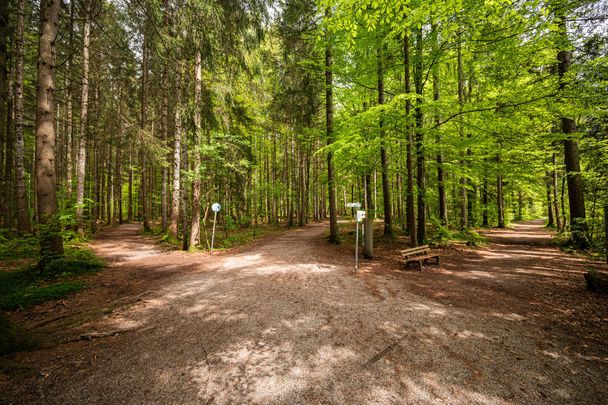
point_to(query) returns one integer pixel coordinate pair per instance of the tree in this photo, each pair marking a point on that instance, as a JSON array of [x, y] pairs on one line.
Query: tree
[[81, 160], [23, 222], [51, 242]]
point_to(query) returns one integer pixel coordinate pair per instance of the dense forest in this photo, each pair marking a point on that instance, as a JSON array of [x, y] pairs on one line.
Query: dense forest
[[435, 115]]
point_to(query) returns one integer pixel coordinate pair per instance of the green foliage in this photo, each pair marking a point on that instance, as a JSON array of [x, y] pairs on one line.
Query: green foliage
[[442, 235], [31, 285], [19, 248]]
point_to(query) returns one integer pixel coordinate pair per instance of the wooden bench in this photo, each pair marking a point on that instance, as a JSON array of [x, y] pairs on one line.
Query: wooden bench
[[420, 255]]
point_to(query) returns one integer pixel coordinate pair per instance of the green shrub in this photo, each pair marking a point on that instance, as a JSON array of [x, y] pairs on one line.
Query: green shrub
[[31, 285]]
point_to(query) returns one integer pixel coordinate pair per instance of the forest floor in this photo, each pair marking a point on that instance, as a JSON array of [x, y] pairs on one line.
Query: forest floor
[[285, 320]]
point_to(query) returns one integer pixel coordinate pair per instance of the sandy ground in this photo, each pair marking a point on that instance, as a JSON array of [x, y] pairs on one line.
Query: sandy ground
[[286, 321]]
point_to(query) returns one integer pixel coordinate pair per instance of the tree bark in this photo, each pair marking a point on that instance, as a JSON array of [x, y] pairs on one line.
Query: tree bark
[[4, 100], [69, 111], [551, 218], [500, 199], [118, 219], [558, 218], [82, 142], [484, 192], [606, 230], [443, 207], [334, 236], [386, 186], [463, 179], [23, 222], [143, 124], [195, 230], [420, 175], [410, 213], [51, 243], [165, 128], [175, 197], [576, 197]]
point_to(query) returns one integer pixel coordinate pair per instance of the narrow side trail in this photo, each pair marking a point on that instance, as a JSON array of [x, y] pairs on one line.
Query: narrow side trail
[[286, 321]]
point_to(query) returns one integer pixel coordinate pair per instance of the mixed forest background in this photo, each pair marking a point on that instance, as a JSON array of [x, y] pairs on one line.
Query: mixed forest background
[[437, 115]]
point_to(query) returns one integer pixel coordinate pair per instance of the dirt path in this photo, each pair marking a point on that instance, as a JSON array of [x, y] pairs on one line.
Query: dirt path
[[286, 321]]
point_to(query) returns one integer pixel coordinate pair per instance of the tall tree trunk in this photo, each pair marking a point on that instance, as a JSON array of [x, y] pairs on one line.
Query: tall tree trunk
[[443, 206], [420, 177], [500, 199], [165, 128], [69, 110], [576, 197], [606, 230], [175, 197], [334, 235], [558, 219], [386, 186], [463, 179], [23, 222], [143, 123], [551, 221], [410, 213], [4, 100], [485, 219], [82, 142], [195, 231], [51, 243], [118, 219]]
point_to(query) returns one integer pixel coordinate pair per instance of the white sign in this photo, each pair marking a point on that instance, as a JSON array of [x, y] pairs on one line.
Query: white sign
[[360, 216], [353, 205], [216, 207]]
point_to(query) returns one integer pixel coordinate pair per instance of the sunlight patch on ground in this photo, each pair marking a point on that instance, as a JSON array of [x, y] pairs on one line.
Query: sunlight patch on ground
[[467, 334], [508, 317], [261, 373], [231, 263], [290, 268], [429, 388]]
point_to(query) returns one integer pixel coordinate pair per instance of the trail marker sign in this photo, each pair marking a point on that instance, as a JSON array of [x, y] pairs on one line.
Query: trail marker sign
[[216, 207], [360, 215], [354, 205]]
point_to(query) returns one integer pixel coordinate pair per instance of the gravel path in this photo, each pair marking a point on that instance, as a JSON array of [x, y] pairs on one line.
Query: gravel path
[[286, 321]]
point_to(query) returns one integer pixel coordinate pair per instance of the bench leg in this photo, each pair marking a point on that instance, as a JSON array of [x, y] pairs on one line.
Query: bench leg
[[420, 265]]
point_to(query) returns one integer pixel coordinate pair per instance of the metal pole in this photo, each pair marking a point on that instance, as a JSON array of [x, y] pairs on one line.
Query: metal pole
[[357, 249], [213, 233]]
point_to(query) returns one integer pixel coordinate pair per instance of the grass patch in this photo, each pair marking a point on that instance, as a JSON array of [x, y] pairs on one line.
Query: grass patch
[[240, 236], [442, 235], [30, 285]]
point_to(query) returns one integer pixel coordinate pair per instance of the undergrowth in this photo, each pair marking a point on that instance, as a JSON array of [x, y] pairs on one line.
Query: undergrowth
[[442, 235], [224, 239], [29, 285]]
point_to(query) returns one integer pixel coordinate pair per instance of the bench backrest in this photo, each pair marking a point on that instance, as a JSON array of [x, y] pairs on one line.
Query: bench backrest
[[417, 251]]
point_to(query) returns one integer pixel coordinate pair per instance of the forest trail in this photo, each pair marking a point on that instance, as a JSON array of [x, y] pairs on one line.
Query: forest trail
[[286, 321]]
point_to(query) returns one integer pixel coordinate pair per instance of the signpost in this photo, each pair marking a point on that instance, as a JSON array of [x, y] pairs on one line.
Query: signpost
[[360, 217], [216, 207]]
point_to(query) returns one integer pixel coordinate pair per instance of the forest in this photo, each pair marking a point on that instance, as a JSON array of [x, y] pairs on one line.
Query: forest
[[451, 120], [435, 115]]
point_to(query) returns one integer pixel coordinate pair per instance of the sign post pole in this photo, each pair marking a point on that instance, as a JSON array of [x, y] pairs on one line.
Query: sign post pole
[[215, 207], [357, 249], [360, 217]]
